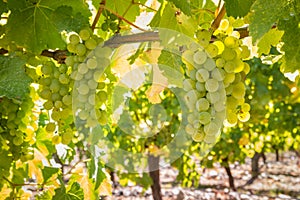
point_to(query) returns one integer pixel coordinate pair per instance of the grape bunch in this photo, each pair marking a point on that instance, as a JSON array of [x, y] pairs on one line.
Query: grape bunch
[[214, 84], [18, 124], [110, 22], [89, 61]]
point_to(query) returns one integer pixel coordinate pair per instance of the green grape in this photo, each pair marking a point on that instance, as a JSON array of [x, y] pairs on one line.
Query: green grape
[[192, 74], [229, 54], [245, 107], [237, 79], [189, 129], [92, 84], [103, 118], [209, 64], [243, 116], [220, 62], [69, 61], [50, 127], [211, 85], [74, 39], [58, 104], [198, 136], [202, 75], [202, 104], [230, 66], [91, 99], [55, 115], [85, 34], [239, 66], [91, 63], [220, 46], [56, 139], [200, 87], [83, 89], [231, 118], [192, 117], [229, 78], [63, 79], [203, 37], [67, 137], [188, 84], [245, 52], [218, 74], [64, 90], [83, 115], [219, 106], [101, 85], [200, 57], [90, 44], [63, 68], [102, 52], [204, 118], [55, 85], [187, 59], [212, 50], [238, 90], [46, 69], [102, 95], [246, 68], [211, 128], [80, 49], [18, 141], [45, 93], [48, 105], [191, 98], [210, 139], [231, 42], [71, 48], [224, 25], [67, 100], [55, 96], [83, 68], [45, 81], [213, 97], [104, 26]]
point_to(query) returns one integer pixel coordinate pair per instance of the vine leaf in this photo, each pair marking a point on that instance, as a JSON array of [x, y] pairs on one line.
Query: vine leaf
[[271, 38], [166, 17], [74, 193], [125, 8], [39, 22], [263, 19], [291, 45], [183, 5], [238, 8], [14, 82]]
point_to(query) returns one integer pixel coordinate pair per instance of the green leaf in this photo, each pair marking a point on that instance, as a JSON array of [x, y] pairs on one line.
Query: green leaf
[[65, 19], [183, 5], [125, 8], [74, 193], [14, 82], [48, 172], [291, 45], [166, 18], [238, 8], [272, 38], [34, 21], [170, 63], [3, 7], [264, 14]]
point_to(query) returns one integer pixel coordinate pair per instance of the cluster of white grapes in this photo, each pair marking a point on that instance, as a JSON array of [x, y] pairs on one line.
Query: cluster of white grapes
[[214, 84], [89, 61], [18, 124]]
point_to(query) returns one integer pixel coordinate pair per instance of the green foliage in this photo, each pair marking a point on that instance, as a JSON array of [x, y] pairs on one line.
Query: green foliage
[[238, 8], [14, 82], [40, 22], [75, 192]]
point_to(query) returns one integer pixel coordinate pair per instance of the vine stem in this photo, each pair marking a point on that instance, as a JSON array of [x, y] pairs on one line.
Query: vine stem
[[122, 18], [216, 23], [99, 12]]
